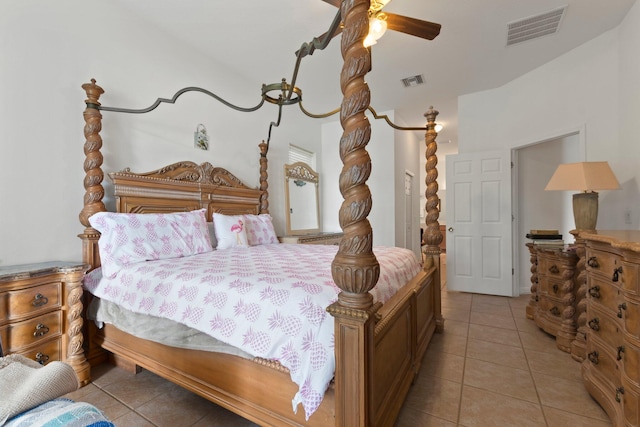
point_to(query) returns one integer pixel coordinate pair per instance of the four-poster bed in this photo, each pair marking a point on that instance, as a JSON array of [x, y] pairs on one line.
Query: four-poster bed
[[378, 347]]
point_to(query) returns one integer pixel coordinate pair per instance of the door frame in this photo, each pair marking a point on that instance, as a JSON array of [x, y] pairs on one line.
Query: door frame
[[519, 241]]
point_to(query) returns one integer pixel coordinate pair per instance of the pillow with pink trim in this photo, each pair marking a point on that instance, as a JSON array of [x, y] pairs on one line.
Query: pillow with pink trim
[[260, 229], [230, 230], [127, 238]]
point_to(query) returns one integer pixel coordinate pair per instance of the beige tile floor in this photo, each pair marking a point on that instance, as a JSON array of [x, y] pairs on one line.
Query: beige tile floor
[[490, 367]]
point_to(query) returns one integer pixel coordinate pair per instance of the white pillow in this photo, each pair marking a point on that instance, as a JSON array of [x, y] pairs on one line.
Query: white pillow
[[127, 239], [260, 229], [230, 230]]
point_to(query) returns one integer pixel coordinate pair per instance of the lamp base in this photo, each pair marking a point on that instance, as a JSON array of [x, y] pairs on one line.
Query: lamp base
[[585, 210]]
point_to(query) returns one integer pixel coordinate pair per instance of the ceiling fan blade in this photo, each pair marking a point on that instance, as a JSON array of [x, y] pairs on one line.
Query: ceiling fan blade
[[415, 27], [335, 3]]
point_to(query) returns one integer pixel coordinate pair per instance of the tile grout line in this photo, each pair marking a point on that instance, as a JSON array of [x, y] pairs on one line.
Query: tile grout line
[[535, 386]]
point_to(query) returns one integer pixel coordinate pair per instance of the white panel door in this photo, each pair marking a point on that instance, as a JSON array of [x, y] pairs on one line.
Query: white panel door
[[479, 248]]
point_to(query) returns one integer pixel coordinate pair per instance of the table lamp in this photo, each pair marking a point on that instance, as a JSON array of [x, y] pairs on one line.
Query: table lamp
[[585, 177]]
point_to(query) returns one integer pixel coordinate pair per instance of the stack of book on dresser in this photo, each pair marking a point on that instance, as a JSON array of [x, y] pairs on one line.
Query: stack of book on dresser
[[551, 238]]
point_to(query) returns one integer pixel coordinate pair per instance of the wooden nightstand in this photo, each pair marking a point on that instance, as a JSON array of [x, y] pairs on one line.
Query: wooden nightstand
[[314, 239], [41, 313], [553, 292]]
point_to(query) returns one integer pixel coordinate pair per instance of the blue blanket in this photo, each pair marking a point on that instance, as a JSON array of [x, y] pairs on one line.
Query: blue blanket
[[61, 412]]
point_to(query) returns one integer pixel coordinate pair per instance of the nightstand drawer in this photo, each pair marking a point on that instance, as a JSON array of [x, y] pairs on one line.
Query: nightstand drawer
[[43, 353], [553, 287], [21, 334], [550, 267], [552, 306], [29, 301]]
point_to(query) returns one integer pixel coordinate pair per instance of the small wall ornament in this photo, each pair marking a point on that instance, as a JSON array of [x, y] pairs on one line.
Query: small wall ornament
[[200, 137]]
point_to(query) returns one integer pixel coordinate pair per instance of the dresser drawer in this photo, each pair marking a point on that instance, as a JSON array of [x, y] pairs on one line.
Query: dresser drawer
[[604, 294], [630, 278], [30, 301], [631, 362], [630, 311], [28, 332], [44, 352], [631, 404], [606, 328], [602, 361], [602, 263]]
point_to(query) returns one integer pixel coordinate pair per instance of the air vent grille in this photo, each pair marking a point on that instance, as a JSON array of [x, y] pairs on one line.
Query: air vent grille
[[413, 80], [535, 26]]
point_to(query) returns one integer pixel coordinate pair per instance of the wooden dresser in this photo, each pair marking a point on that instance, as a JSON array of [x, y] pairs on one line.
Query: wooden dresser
[[611, 370], [553, 292], [41, 313], [314, 239]]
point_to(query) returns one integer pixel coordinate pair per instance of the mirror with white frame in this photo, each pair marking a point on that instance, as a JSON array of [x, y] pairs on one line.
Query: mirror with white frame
[[301, 199]]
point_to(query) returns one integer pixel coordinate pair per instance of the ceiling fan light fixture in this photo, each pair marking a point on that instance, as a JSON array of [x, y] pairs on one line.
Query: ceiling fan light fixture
[[377, 28]]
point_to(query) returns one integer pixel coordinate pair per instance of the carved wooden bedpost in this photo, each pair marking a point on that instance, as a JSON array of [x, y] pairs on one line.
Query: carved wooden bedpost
[[432, 237], [264, 184], [355, 268], [94, 192]]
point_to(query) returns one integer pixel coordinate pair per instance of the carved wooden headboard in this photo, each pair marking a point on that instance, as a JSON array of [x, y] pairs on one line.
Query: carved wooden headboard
[[184, 186]]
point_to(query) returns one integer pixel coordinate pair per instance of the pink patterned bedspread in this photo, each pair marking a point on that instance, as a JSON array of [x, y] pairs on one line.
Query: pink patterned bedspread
[[268, 300]]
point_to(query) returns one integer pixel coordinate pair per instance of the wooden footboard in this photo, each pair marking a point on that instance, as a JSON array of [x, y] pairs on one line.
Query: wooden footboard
[[262, 391], [257, 391]]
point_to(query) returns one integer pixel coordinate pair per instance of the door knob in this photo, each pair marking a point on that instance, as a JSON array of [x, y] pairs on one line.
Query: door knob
[[450, 229]]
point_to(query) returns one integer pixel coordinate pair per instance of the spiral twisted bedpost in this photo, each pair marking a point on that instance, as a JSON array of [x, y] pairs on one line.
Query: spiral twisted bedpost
[[432, 237], [94, 192], [355, 268], [264, 184]]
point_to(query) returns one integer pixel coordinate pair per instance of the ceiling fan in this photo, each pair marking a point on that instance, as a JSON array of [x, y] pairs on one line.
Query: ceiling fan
[[379, 21]]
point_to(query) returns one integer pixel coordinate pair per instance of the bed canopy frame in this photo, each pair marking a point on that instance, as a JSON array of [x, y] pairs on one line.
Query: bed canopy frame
[[355, 268]]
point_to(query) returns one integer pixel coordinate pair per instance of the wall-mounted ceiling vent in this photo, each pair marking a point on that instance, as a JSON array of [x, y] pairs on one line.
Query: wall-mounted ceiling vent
[[535, 26], [413, 80]]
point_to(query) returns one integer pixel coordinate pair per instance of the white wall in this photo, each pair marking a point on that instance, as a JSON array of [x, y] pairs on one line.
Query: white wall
[[407, 161], [49, 49], [595, 88], [581, 88], [388, 169]]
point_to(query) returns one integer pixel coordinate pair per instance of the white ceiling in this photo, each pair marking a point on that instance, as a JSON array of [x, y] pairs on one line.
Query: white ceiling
[[258, 39]]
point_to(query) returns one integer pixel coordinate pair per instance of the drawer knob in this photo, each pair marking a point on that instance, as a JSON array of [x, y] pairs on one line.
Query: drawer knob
[[42, 358], [40, 330], [619, 391], [593, 262], [555, 288], [39, 300], [594, 324], [593, 357], [621, 307], [620, 351], [616, 273], [594, 291], [554, 269]]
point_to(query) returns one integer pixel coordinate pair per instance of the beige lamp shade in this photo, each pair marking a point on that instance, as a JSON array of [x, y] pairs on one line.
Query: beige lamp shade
[[583, 176], [586, 177]]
